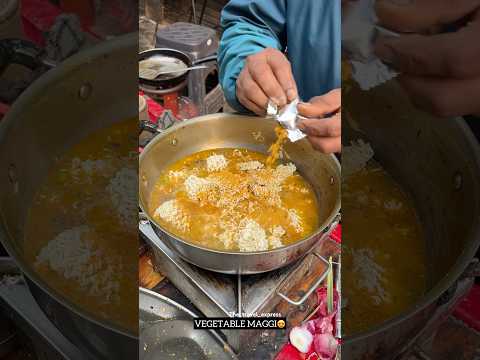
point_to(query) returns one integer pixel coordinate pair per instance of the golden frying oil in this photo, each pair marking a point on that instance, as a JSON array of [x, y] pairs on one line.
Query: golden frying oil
[[75, 196], [384, 251], [204, 229]]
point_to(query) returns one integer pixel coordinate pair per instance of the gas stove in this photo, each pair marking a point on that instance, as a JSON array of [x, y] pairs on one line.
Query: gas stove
[[216, 295], [288, 291]]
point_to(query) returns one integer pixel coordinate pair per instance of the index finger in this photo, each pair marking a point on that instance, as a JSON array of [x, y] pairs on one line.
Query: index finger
[[421, 15], [282, 69], [449, 54], [261, 72]]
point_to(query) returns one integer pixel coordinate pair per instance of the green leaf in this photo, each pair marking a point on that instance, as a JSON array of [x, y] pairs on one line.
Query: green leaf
[[330, 286]]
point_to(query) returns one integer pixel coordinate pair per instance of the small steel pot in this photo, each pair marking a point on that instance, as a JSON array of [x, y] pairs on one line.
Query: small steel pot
[[171, 82]]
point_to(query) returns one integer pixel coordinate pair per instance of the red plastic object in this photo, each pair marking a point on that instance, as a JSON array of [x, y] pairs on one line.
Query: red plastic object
[[336, 234], [155, 110], [38, 16], [3, 110], [468, 311], [289, 352], [84, 9], [170, 102]]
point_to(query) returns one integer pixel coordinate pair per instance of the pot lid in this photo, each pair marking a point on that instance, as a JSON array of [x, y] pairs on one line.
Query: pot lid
[[163, 63]]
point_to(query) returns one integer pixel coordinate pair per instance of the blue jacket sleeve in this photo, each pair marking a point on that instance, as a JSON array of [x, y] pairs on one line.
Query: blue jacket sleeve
[[249, 27]]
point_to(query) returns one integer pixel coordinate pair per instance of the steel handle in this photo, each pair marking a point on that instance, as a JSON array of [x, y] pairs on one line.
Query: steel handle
[[205, 59], [22, 52], [312, 288]]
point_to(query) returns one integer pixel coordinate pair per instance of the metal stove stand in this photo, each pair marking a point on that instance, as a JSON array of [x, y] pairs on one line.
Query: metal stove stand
[[18, 304]]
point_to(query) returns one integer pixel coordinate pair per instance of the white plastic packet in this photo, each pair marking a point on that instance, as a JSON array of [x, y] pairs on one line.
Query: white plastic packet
[[359, 31], [288, 118]]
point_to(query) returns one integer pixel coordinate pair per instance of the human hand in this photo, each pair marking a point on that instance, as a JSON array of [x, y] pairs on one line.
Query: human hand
[[324, 124], [439, 70], [266, 75]]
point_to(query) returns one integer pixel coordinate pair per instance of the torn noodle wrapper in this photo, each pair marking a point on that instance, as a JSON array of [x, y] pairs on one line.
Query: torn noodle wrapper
[[287, 117]]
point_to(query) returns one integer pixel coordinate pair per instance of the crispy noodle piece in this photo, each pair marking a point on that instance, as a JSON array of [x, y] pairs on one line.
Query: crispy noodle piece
[[275, 239], [276, 148], [195, 185], [251, 236], [266, 184], [177, 175], [295, 220], [250, 165], [216, 163], [73, 254], [282, 172], [122, 189], [170, 212]]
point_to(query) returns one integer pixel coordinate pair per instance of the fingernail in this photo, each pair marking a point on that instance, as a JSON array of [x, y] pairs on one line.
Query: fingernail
[[291, 94], [282, 101]]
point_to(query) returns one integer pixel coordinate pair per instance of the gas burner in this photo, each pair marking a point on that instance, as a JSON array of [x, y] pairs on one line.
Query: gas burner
[[156, 92]]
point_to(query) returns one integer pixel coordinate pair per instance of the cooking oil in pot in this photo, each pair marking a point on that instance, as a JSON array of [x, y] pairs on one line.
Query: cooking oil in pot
[[384, 254], [234, 200], [82, 226]]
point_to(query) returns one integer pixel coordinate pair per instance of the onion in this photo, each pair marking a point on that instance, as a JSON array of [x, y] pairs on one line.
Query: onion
[[325, 346], [301, 338]]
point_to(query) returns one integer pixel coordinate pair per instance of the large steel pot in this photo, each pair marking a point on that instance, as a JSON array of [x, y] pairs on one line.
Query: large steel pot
[[438, 162], [66, 104], [230, 131]]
